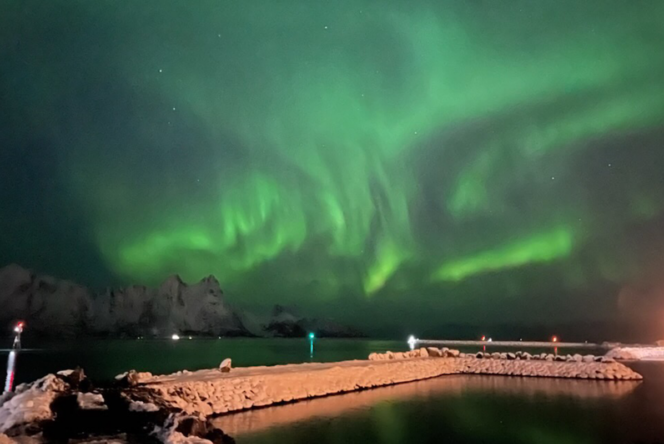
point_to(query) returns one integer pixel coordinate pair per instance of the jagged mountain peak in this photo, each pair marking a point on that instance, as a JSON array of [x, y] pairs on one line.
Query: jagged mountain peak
[[48, 303]]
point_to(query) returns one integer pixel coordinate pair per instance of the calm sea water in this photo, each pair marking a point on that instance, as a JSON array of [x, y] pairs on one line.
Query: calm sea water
[[103, 359], [452, 409]]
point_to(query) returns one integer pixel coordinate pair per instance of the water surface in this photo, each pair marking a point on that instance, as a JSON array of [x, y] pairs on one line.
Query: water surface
[[470, 409], [103, 359]]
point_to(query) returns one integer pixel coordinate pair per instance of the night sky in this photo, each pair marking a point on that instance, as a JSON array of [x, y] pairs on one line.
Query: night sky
[[393, 163]]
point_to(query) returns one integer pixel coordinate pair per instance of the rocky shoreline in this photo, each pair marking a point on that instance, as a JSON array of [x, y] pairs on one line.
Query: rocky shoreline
[[179, 408]]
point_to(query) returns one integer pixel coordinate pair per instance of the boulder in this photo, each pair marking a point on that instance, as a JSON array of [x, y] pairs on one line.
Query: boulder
[[225, 366], [495, 355], [434, 352], [607, 359], [527, 356], [511, 356], [30, 403], [577, 357], [128, 379], [191, 430], [424, 353], [453, 353], [479, 355], [588, 358], [140, 406], [90, 401], [76, 379]]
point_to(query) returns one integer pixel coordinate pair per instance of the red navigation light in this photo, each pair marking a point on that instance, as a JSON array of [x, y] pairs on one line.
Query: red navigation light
[[554, 339], [20, 324], [483, 338]]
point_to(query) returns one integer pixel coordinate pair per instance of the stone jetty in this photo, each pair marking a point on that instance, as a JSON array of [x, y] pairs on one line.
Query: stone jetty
[[181, 404], [209, 392]]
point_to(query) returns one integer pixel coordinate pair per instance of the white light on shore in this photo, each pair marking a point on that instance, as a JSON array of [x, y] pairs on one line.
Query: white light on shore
[[412, 340], [175, 337]]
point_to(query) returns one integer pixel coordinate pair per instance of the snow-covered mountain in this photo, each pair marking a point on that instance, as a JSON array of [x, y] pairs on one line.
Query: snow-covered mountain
[[58, 307]]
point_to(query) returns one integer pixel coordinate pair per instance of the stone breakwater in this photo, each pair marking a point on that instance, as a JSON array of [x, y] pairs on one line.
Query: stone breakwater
[[210, 392], [179, 406], [524, 364]]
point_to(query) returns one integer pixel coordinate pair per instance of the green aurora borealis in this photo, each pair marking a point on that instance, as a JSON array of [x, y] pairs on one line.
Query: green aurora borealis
[[464, 159]]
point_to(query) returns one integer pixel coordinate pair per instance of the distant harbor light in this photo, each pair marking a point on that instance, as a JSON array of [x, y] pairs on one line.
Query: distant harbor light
[[175, 337]]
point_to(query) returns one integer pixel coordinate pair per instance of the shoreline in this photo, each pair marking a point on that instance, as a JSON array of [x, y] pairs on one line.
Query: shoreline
[[175, 406]]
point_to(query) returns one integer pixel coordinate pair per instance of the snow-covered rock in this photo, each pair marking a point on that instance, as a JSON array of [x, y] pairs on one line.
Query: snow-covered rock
[[225, 365], [30, 403], [90, 401], [140, 406], [637, 354], [185, 429]]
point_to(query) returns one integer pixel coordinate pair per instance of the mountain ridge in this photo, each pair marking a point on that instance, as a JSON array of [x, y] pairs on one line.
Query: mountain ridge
[[48, 304]]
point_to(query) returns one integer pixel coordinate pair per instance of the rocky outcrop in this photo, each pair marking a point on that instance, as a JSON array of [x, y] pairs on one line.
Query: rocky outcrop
[[49, 304], [29, 404]]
